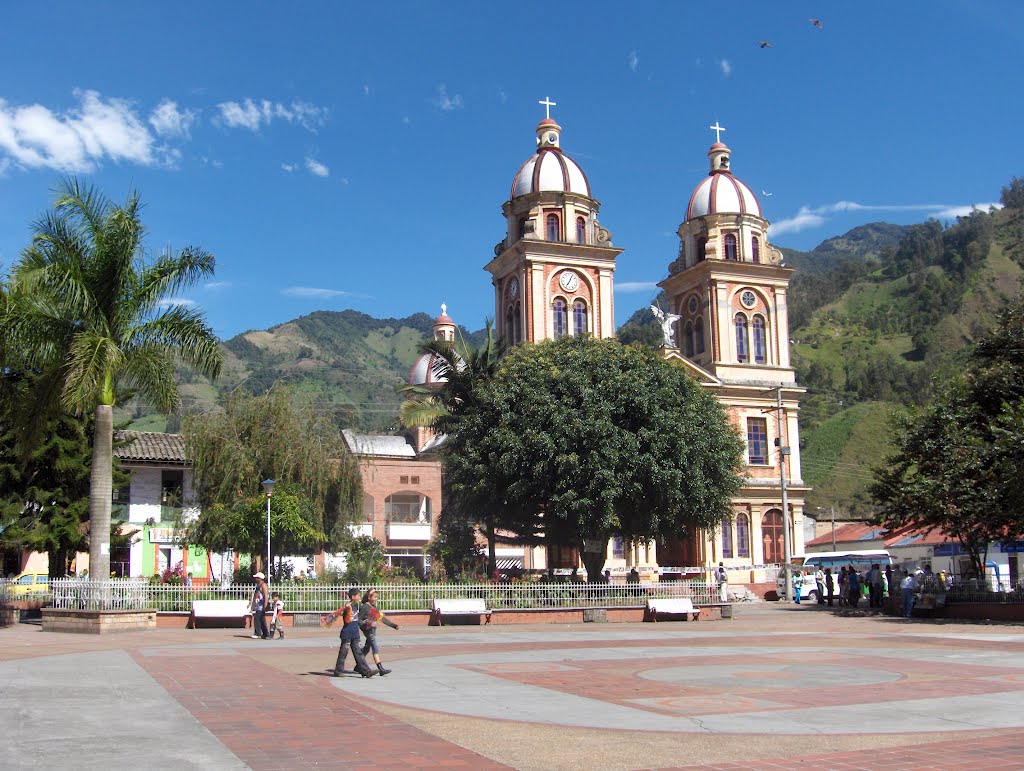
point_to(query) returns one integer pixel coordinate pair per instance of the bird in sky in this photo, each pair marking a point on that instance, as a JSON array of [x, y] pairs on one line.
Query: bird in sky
[[765, 44], [766, 194], [817, 23]]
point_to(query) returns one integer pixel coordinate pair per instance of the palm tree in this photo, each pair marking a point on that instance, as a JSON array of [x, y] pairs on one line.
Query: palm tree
[[440, 406], [88, 312]]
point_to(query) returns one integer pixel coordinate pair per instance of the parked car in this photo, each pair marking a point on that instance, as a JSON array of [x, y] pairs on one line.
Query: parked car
[[29, 583]]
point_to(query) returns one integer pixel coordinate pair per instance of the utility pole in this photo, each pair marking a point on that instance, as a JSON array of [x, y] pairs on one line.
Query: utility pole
[[832, 508], [787, 568]]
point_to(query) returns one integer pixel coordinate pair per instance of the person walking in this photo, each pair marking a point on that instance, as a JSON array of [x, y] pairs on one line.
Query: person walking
[[349, 635], [830, 586], [874, 579], [259, 602], [844, 579], [819, 583], [369, 617]]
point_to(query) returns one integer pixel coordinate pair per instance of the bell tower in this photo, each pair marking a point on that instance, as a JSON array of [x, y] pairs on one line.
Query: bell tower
[[552, 271]]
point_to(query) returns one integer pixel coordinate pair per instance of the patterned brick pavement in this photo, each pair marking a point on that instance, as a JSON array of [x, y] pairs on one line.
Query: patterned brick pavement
[[275, 720]]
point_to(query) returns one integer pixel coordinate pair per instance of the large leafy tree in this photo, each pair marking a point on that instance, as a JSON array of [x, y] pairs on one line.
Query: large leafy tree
[[267, 437], [97, 320], [576, 440], [958, 460]]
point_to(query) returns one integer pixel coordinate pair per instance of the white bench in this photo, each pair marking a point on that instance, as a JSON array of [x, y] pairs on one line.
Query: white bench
[[236, 609], [469, 607], [676, 606]]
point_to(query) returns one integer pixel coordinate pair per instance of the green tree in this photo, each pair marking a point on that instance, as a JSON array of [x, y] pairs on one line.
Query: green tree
[[1012, 196], [364, 560], [97, 321], [957, 463], [267, 437], [576, 440]]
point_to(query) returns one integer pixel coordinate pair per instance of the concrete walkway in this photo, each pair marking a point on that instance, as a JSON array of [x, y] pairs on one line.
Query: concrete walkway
[[777, 686]]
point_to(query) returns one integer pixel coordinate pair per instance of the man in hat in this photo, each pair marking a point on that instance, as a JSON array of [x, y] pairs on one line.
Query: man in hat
[[259, 607]]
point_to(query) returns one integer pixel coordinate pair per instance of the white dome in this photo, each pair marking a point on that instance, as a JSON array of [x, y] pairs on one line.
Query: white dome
[[428, 370], [722, 193], [550, 169]]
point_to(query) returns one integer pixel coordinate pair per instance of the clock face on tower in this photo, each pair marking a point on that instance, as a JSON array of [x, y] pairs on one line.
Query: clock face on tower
[[568, 281]]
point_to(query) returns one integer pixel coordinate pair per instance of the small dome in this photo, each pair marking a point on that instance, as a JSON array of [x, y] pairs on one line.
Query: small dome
[[549, 168], [428, 370], [722, 193]]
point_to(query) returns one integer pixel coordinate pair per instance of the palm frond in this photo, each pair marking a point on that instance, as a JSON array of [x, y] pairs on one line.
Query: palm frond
[[150, 371], [182, 332]]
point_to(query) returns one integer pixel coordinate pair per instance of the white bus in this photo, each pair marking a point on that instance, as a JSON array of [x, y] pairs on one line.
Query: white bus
[[861, 561]]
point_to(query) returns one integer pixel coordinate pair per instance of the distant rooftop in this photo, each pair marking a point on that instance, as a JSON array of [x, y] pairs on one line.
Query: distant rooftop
[[378, 445], [149, 447]]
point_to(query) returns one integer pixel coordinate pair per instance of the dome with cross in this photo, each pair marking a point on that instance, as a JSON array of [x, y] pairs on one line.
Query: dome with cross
[[720, 192], [549, 168]]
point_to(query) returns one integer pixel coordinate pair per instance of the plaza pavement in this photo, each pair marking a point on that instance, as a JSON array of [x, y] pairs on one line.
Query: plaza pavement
[[779, 686]]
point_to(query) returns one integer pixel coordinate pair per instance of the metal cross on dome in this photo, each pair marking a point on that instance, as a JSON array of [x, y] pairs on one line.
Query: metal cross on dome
[[548, 104], [718, 131]]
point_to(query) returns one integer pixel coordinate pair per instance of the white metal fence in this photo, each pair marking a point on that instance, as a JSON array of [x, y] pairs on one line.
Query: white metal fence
[[315, 597]]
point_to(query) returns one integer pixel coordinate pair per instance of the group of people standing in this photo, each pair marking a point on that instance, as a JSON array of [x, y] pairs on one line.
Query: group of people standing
[[262, 602], [358, 616], [851, 584]]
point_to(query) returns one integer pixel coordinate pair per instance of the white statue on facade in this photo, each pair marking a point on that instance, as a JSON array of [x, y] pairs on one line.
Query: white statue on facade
[[668, 325]]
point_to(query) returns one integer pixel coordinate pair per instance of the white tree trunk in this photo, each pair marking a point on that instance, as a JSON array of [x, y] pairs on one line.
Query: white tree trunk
[[100, 481]]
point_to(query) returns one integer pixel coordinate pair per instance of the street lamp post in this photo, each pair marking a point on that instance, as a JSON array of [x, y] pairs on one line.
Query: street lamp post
[[268, 486]]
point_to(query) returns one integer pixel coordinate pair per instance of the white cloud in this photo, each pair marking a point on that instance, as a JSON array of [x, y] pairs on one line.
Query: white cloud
[[503, 96], [253, 115], [629, 287], [213, 286], [313, 291], [289, 167], [813, 217], [168, 302], [168, 121], [317, 168], [726, 67], [803, 220], [33, 136], [634, 61], [344, 180], [445, 102]]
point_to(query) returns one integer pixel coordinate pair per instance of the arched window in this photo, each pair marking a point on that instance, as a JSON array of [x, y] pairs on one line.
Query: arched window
[[702, 248], [579, 318], [742, 536], [729, 244], [755, 249], [552, 229], [688, 339], [407, 508], [726, 537], [771, 535], [760, 341], [742, 353], [518, 322], [698, 335], [581, 230], [559, 318]]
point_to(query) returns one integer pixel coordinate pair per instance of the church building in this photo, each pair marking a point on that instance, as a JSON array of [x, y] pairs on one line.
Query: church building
[[726, 325]]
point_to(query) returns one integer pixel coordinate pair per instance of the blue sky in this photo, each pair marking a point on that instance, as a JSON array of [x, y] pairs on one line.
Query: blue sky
[[341, 155]]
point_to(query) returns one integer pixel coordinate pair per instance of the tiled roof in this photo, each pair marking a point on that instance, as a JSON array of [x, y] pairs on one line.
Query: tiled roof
[[149, 446]]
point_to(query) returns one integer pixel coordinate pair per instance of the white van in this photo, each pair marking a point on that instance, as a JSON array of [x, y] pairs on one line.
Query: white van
[[861, 561]]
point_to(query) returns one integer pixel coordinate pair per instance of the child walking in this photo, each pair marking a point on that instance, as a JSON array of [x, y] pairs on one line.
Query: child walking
[[369, 616], [277, 620]]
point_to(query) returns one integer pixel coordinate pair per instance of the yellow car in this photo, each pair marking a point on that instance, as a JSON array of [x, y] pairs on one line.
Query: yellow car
[[28, 584]]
